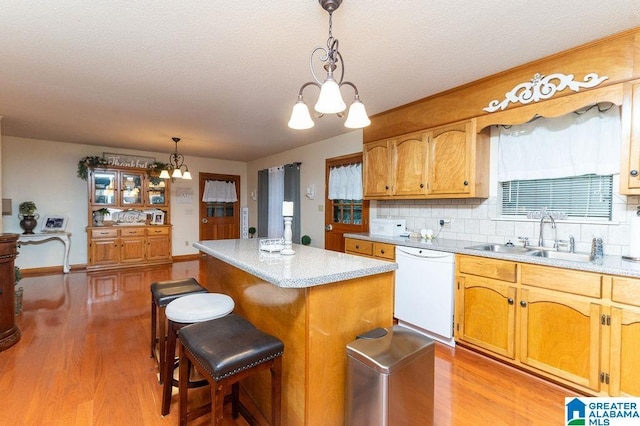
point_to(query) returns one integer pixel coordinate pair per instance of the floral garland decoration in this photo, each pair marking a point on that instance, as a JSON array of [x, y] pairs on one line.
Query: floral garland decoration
[[91, 162]]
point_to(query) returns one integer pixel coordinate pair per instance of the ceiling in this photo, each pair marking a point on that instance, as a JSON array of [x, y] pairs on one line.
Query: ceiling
[[223, 75]]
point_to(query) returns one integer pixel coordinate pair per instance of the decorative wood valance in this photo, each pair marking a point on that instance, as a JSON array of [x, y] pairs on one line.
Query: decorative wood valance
[[543, 87]]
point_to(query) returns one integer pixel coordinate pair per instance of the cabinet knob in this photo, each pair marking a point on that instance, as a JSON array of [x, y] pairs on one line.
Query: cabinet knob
[[386, 187], [510, 300], [422, 185], [381, 251], [523, 303], [633, 173], [357, 246], [466, 183]]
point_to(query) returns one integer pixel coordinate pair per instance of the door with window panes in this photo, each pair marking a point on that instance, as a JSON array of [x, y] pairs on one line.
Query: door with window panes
[[219, 220], [341, 215]]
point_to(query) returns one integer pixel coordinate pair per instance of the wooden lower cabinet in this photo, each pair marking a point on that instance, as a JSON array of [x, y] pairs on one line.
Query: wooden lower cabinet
[[486, 314], [560, 335], [383, 251], [112, 247], [577, 328]]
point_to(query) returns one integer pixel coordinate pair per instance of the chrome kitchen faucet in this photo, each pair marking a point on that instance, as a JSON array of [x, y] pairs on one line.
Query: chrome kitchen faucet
[[553, 226]]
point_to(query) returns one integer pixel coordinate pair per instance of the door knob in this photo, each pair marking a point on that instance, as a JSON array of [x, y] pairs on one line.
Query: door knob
[[523, 304], [328, 228], [205, 220], [510, 301]]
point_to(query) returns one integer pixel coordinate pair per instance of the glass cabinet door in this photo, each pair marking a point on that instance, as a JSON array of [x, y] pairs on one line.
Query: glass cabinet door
[[157, 189], [131, 189], [104, 187]]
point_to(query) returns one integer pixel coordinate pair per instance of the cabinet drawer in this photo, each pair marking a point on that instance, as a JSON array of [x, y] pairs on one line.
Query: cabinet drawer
[[104, 233], [626, 290], [158, 231], [385, 251], [132, 232], [359, 246], [569, 281], [502, 270]]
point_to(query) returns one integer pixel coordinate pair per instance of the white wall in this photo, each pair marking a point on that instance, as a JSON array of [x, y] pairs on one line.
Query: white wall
[[312, 171], [45, 172]]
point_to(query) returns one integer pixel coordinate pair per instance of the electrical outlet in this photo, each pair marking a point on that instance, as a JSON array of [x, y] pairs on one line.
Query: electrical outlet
[[186, 243], [444, 223]]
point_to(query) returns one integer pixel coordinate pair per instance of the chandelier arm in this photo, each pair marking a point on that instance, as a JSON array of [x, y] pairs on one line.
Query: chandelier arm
[[341, 61], [309, 83], [324, 57], [355, 89]]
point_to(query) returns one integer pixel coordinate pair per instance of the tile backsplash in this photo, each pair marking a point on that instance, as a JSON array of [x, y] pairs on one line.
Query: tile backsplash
[[479, 220]]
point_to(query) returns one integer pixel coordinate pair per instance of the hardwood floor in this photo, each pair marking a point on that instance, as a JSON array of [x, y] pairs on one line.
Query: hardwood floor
[[84, 360]]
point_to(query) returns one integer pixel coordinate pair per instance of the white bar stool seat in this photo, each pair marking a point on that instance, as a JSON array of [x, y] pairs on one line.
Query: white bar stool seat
[[199, 307]]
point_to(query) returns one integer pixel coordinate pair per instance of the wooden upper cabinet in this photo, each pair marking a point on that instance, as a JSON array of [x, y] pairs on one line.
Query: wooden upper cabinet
[[409, 164], [377, 176], [446, 162], [450, 170], [630, 166]]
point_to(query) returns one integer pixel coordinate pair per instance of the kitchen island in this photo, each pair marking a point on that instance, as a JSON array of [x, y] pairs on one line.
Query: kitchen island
[[316, 302]]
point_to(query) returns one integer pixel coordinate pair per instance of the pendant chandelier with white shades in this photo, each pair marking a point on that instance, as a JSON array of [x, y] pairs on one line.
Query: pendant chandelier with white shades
[[330, 99], [176, 163]]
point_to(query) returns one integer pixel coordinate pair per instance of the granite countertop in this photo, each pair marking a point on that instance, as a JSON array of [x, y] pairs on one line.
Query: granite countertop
[[308, 267], [611, 265]]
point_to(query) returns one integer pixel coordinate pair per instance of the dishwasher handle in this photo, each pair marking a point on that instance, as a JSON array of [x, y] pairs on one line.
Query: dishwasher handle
[[422, 253]]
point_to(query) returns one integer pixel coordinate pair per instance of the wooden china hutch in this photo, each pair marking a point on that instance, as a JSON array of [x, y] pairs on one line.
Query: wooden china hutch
[[137, 230]]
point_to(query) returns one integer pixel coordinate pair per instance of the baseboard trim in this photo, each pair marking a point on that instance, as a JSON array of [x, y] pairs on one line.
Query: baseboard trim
[[186, 257]]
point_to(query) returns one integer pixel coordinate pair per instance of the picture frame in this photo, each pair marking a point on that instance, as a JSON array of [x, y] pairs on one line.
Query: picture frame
[[157, 218], [54, 223]]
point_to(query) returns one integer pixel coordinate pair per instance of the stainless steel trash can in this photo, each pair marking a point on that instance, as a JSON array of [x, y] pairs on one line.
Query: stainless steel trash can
[[390, 378]]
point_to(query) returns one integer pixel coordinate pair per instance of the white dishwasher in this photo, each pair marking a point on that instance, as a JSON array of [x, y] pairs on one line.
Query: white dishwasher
[[424, 292]]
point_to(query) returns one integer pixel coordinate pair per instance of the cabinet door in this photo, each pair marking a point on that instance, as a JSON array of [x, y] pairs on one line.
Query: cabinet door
[[157, 192], [376, 161], [630, 170], [409, 165], [131, 187], [624, 369], [104, 252], [132, 249], [450, 160], [560, 335], [158, 247], [103, 188], [485, 314]]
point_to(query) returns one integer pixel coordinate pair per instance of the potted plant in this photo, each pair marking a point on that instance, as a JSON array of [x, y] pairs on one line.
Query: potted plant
[[28, 216], [252, 232], [99, 215], [19, 290]]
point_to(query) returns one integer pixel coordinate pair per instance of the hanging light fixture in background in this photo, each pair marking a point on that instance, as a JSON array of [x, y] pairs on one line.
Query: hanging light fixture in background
[[330, 99], [176, 163]]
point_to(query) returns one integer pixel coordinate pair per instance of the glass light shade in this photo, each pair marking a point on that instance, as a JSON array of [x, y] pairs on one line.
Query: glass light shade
[[164, 174], [357, 117], [300, 117], [330, 99], [176, 174], [186, 175]]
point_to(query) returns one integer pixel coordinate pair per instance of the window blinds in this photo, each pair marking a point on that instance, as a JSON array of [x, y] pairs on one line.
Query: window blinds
[[585, 197]]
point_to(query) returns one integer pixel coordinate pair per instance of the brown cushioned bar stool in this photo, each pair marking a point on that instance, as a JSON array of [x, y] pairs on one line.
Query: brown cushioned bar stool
[[162, 293], [186, 310], [225, 351]]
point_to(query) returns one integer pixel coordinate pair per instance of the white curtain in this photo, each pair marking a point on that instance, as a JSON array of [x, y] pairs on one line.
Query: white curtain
[[276, 197], [218, 191], [345, 182], [571, 145]]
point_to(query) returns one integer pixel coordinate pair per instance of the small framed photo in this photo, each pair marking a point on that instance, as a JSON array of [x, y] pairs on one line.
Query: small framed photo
[[157, 218], [54, 224]]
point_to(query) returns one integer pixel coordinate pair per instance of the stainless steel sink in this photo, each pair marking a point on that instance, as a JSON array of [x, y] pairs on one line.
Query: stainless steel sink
[[534, 251], [562, 255], [501, 248]]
